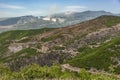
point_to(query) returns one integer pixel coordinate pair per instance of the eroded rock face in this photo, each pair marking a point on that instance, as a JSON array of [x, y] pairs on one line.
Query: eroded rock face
[[48, 59], [50, 56], [15, 48], [116, 60], [100, 36], [44, 49], [46, 52]]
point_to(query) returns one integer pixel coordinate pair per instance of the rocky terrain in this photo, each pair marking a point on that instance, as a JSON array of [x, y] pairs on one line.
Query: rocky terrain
[[93, 45], [85, 45]]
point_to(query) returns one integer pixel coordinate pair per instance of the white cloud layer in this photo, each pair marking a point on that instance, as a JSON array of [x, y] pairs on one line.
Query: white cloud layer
[[74, 8], [11, 6]]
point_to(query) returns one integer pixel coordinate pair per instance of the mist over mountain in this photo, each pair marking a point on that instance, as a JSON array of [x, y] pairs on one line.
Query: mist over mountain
[[52, 21]]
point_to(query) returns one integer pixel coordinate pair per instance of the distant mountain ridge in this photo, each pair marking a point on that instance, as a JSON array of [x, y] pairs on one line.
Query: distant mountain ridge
[[57, 20], [17, 20], [82, 14]]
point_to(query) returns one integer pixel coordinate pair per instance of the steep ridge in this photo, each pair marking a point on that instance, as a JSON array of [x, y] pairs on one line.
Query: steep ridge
[[81, 42]]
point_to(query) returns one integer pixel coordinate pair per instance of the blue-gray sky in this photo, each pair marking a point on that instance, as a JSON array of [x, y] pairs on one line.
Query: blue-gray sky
[[12, 8]]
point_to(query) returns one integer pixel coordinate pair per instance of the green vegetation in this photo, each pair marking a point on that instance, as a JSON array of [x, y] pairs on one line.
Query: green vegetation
[[70, 41], [84, 49], [112, 22], [25, 53], [33, 72], [58, 48], [108, 21], [7, 37], [51, 38], [24, 40], [18, 34], [99, 58]]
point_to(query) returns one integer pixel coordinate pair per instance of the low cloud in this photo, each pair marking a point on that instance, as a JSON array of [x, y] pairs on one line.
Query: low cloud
[[8, 6]]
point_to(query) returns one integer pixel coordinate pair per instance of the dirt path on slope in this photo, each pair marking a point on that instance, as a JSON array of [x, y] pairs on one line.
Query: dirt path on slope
[[76, 69]]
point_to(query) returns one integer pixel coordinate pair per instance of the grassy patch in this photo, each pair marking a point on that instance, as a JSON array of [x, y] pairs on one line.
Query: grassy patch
[[51, 38], [95, 57], [112, 22], [25, 53], [18, 34], [58, 48], [34, 71]]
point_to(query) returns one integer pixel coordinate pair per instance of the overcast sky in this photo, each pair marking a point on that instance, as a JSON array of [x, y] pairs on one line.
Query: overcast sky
[[13, 8]]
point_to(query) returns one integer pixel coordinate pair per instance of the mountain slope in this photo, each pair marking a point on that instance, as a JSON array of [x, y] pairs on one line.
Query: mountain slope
[[84, 43], [101, 58]]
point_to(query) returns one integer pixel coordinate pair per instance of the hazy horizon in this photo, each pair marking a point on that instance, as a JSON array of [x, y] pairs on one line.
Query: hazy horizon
[[15, 8]]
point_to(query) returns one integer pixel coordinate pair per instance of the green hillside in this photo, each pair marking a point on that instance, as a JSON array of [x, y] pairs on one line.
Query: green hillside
[[18, 34], [99, 58], [36, 54], [35, 72], [7, 37]]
